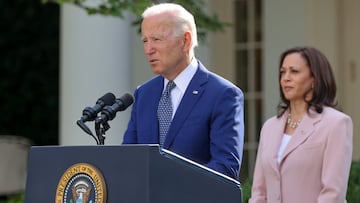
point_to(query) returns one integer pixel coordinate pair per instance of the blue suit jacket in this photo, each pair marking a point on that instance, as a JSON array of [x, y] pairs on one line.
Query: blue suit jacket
[[208, 126]]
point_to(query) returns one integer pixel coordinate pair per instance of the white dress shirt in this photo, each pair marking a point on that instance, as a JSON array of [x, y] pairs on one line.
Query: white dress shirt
[[182, 82]]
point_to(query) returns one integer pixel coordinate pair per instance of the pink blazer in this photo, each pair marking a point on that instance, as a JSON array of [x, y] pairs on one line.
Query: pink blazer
[[315, 165]]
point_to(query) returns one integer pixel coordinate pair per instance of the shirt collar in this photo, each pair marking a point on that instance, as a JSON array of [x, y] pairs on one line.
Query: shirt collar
[[184, 78]]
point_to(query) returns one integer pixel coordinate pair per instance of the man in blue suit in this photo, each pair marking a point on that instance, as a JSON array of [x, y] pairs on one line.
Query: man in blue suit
[[207, 111]]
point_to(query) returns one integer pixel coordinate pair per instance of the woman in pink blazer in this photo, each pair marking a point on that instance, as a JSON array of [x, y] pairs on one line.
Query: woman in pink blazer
[[305, 151]]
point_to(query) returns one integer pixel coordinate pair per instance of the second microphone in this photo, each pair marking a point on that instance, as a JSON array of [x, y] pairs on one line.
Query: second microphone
[[108, 113]]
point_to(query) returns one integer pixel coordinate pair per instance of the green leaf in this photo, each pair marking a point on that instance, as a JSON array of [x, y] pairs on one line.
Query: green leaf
[[205, 22]]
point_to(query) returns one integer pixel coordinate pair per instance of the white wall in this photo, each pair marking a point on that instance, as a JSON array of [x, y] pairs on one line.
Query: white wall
[[95, 59]]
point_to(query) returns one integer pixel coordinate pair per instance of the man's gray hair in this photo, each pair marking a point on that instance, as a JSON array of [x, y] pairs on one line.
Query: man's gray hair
[[182, 17]]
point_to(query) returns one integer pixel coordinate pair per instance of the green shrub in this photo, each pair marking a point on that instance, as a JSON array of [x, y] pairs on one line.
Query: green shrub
[[353, 192], [246, 190], [19, 198], [29, 78]]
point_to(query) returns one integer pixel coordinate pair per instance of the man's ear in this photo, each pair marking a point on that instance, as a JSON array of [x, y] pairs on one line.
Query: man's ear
[[187, 40]]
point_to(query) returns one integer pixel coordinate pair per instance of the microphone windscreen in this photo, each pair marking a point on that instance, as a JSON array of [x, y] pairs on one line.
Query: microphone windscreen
[[127, 100], [108, 99]]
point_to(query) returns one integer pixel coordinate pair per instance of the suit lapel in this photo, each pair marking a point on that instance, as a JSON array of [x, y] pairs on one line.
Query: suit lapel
[[278, 132], [154, 93], [302, 133], [191, 96]]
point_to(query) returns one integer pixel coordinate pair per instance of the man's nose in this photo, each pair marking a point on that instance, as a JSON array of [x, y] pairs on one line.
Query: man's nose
[[148, 48]]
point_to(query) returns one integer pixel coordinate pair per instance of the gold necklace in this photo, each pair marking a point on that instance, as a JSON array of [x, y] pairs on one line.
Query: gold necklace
[[291, 123]]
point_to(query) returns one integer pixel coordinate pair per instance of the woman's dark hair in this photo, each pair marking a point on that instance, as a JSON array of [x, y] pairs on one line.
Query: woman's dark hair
[[324, 89]]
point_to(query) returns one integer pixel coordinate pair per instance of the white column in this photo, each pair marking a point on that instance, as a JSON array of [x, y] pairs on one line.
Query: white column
[[95, 58], [295, 23]]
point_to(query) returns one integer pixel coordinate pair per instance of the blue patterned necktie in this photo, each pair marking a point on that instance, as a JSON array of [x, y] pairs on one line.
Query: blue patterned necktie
[[165, 112]]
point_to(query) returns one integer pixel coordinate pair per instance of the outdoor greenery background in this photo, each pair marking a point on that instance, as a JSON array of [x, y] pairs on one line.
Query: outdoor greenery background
[[29, 79]]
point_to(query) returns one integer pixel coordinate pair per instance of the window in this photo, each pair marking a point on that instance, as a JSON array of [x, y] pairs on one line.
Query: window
[[248, 56]]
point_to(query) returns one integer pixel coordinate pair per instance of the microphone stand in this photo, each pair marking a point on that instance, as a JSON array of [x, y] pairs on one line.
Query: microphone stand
[[100, 129], [87, 130]]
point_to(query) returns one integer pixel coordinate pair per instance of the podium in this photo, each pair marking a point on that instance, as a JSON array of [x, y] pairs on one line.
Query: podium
[[130, 174]]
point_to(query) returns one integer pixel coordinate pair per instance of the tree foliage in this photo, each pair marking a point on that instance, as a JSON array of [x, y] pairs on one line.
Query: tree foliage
[[205, 22], [29, 49]]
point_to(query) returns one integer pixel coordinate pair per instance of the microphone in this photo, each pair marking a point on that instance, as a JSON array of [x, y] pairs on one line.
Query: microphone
[[90, 113], [109, 112]]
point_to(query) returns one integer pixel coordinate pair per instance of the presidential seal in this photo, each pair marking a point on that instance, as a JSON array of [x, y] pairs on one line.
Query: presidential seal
[[81, 183]]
